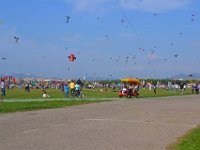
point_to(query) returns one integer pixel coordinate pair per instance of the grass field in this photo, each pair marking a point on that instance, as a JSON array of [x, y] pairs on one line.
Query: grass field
[[96, 93], [33, 100], [27, 106], [191, 141]]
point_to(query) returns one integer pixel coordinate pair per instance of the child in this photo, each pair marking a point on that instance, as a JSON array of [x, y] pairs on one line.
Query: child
[[45, 95], [66, 88]]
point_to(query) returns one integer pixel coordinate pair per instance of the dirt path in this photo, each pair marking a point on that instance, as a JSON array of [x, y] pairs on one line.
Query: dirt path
[[137, 124]]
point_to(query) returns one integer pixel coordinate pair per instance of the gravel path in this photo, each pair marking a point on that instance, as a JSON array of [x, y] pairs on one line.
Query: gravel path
[[136, 124]]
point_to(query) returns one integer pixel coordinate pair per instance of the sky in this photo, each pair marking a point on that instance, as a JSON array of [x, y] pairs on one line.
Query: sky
[[110, 38]]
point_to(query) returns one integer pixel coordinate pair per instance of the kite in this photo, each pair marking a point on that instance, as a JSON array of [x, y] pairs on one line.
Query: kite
[[122, 21], [152, 53], [71, 57], [106, 37], [141, 49], [16, 39], [118, 59], [192, 20], [180, 33], [67, 18], [126, 59], [3, 58], [176, 55]]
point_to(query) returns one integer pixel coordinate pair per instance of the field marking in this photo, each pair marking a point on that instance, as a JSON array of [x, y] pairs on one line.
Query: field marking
[[30, 131], [141, 122], [58, 125]]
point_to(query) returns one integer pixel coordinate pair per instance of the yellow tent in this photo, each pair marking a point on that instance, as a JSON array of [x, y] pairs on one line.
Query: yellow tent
[[131, 80]]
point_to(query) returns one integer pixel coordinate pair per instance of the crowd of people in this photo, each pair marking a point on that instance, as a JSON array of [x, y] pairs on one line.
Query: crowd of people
[[72, 88], [129, 90]]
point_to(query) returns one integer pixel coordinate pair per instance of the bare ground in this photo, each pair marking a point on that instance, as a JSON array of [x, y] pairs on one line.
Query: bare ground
[[136, 124]]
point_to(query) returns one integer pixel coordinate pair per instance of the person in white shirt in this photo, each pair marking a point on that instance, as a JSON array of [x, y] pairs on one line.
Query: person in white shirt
[[45, 95], [3, 89]]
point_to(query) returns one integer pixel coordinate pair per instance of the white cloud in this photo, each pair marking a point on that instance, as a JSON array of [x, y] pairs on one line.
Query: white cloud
[[154, 5], [88, 5], [143, 5]]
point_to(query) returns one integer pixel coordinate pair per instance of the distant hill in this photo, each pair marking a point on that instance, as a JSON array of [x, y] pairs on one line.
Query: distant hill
[[24, 75], [194, 76]]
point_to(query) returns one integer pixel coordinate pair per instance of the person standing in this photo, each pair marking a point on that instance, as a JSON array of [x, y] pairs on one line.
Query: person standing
[[154, 88], [77, 89], [181, 88], [66, 89], [3, 89], [196, 87], [136, 91], [130, 91], [72, 88]]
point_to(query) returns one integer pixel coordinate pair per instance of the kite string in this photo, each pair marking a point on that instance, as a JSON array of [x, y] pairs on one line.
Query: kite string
[[135, 31], [129, 23]]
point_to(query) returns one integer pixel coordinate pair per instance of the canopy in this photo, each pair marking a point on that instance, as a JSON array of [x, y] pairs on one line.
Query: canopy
[[131, 80]]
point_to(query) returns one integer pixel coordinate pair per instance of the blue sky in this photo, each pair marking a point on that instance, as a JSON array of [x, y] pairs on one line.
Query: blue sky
[[110, 38]]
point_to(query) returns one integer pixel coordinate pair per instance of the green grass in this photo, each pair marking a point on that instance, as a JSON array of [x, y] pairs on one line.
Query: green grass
[[96, 93], [37, 102], [162, 92], [34, 93], [191, 141], [27, 106]]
